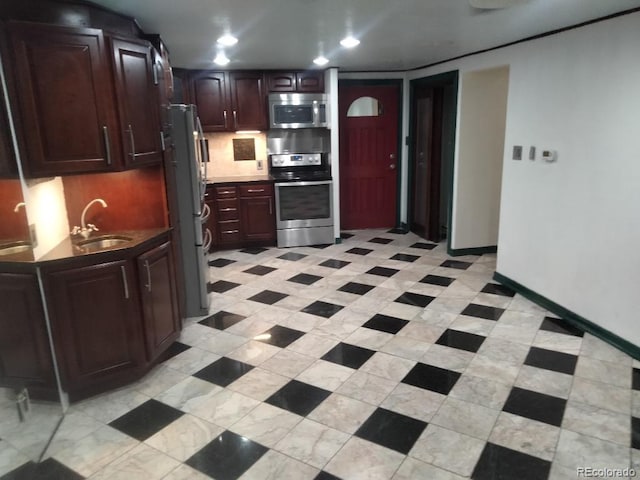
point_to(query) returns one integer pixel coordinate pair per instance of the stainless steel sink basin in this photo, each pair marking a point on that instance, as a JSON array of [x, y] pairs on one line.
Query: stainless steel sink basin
[[15, 247], [103, 242]]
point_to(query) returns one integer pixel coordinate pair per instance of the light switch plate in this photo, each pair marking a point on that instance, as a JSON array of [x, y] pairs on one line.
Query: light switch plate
[[259, 164], [532, 153], [517, 152]]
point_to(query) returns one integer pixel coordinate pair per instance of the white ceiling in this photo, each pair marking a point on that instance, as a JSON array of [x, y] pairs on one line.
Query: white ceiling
[[395, 34]]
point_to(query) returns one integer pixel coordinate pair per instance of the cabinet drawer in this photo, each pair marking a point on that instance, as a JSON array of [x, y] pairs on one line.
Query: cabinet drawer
[[225, 192], [256, 190], [227, 210], [229, 231]]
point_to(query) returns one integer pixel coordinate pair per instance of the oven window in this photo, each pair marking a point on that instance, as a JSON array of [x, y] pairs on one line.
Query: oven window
[[305, 202], [284, 114]]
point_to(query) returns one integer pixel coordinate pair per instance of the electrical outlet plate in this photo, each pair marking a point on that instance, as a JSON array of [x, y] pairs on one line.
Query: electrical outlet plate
[[32, 234]]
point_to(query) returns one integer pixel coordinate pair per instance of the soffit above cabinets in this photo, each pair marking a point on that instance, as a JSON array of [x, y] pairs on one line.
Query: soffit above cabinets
[[396, 35]]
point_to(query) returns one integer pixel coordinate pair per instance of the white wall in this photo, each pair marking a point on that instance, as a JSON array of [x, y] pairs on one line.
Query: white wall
[[570, 231], [478, 173], [331, 82], [46, 208]]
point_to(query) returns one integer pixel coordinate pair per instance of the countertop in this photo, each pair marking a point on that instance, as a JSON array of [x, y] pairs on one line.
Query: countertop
[[69, 247], [239, 179]]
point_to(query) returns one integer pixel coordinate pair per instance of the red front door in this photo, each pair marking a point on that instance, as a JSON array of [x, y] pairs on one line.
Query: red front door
[[368, 155]]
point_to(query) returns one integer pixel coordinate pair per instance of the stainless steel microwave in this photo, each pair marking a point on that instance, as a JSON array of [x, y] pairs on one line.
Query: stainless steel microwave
[[298, 110]]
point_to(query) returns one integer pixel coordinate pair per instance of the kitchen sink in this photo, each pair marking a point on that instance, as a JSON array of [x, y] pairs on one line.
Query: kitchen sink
[[103, 242], [15, 247]]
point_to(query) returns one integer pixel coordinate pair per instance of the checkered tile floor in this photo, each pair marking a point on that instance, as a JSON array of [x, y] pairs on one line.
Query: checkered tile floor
[[377, 358]]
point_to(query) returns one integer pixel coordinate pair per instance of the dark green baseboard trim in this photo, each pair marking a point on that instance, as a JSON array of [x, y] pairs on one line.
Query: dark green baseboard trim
[[404, 226], [457, 252], [571, 317], [338, 240]]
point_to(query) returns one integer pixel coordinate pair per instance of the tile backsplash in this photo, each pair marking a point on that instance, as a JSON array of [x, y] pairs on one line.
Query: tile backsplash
[[222, 163]]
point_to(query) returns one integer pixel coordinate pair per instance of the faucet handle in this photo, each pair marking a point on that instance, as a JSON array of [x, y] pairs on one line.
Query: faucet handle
[[92, 228], [76, 230]]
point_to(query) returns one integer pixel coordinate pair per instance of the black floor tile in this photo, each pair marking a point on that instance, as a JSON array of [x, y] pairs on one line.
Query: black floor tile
[[268, 296], [398, 231], [356, 288], [380, 240], [635, 432], [551, 360], [227, 457], [322, 309], [321, 246], [174, 349], [333, 263], [500, 463], [345, 235], [254, 250], [431, 378], [461, 340], [221, 286], [635, 379], [438, 280], [305, 278], [50, 469], [222, 320], [298, 397], [385, 323], [260, 270], [557, 325], [415, 299], [326, 476], [483, 311], [405, 257], [359, 251], [498, 289], [146, 420], [223, 371], [221, 262], [382, 271], [424, 246], [279, 336], [348, 355], [456, 264], [293, 256], [392, 430], [536, 406]]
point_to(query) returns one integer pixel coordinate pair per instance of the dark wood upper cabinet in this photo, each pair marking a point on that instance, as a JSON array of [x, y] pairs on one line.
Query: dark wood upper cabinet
[[248, 101], [211, 96], [309, 81], [230, 101], [159, 299], [64, 99], [136, 80], [25, 357]]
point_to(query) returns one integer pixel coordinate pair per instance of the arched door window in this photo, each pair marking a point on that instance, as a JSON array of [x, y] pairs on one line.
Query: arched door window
[[365, 107]]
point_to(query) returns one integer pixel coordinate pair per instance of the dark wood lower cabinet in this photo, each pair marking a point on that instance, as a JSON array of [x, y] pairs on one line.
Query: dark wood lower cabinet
[[25, 356], [159, 299], [257, 219], [95, 318]]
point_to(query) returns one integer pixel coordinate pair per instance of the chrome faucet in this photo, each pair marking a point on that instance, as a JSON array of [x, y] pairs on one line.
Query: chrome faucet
[[86, 229], [18, 206]]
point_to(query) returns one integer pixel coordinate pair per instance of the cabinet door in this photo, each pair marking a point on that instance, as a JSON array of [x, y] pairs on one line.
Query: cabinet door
[[8, 168], [136, 88], [212, 99], [96, 324], [64, 94], [248, 101], [281, 81], [159, 299], [25, 358], [310, 81], [257, 219]]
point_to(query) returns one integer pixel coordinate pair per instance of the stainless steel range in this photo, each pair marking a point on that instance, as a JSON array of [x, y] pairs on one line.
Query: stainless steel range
[[304, 198]]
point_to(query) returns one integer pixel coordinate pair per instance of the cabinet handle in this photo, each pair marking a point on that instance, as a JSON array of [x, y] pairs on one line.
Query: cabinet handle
[[230, 232], [124, 281], [224, 113], [107, 143], [270, 208], [148, 285], [225, 192], [162, 141], [259, 190], [133, 142], [235, 119], [154, 69], [229, 209]]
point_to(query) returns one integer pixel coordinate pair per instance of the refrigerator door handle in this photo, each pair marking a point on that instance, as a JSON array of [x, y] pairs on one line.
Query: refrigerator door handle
[[208, 240]]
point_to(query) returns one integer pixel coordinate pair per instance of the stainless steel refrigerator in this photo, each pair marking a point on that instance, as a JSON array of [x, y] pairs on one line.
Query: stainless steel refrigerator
[[190, 162]]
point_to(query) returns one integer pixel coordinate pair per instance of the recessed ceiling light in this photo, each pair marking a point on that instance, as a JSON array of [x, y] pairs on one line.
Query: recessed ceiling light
[[221, 59], [227, 40], [349, 42], [321, 60]]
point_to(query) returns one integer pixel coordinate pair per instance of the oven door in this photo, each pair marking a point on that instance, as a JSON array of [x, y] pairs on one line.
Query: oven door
[[304, 204]]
